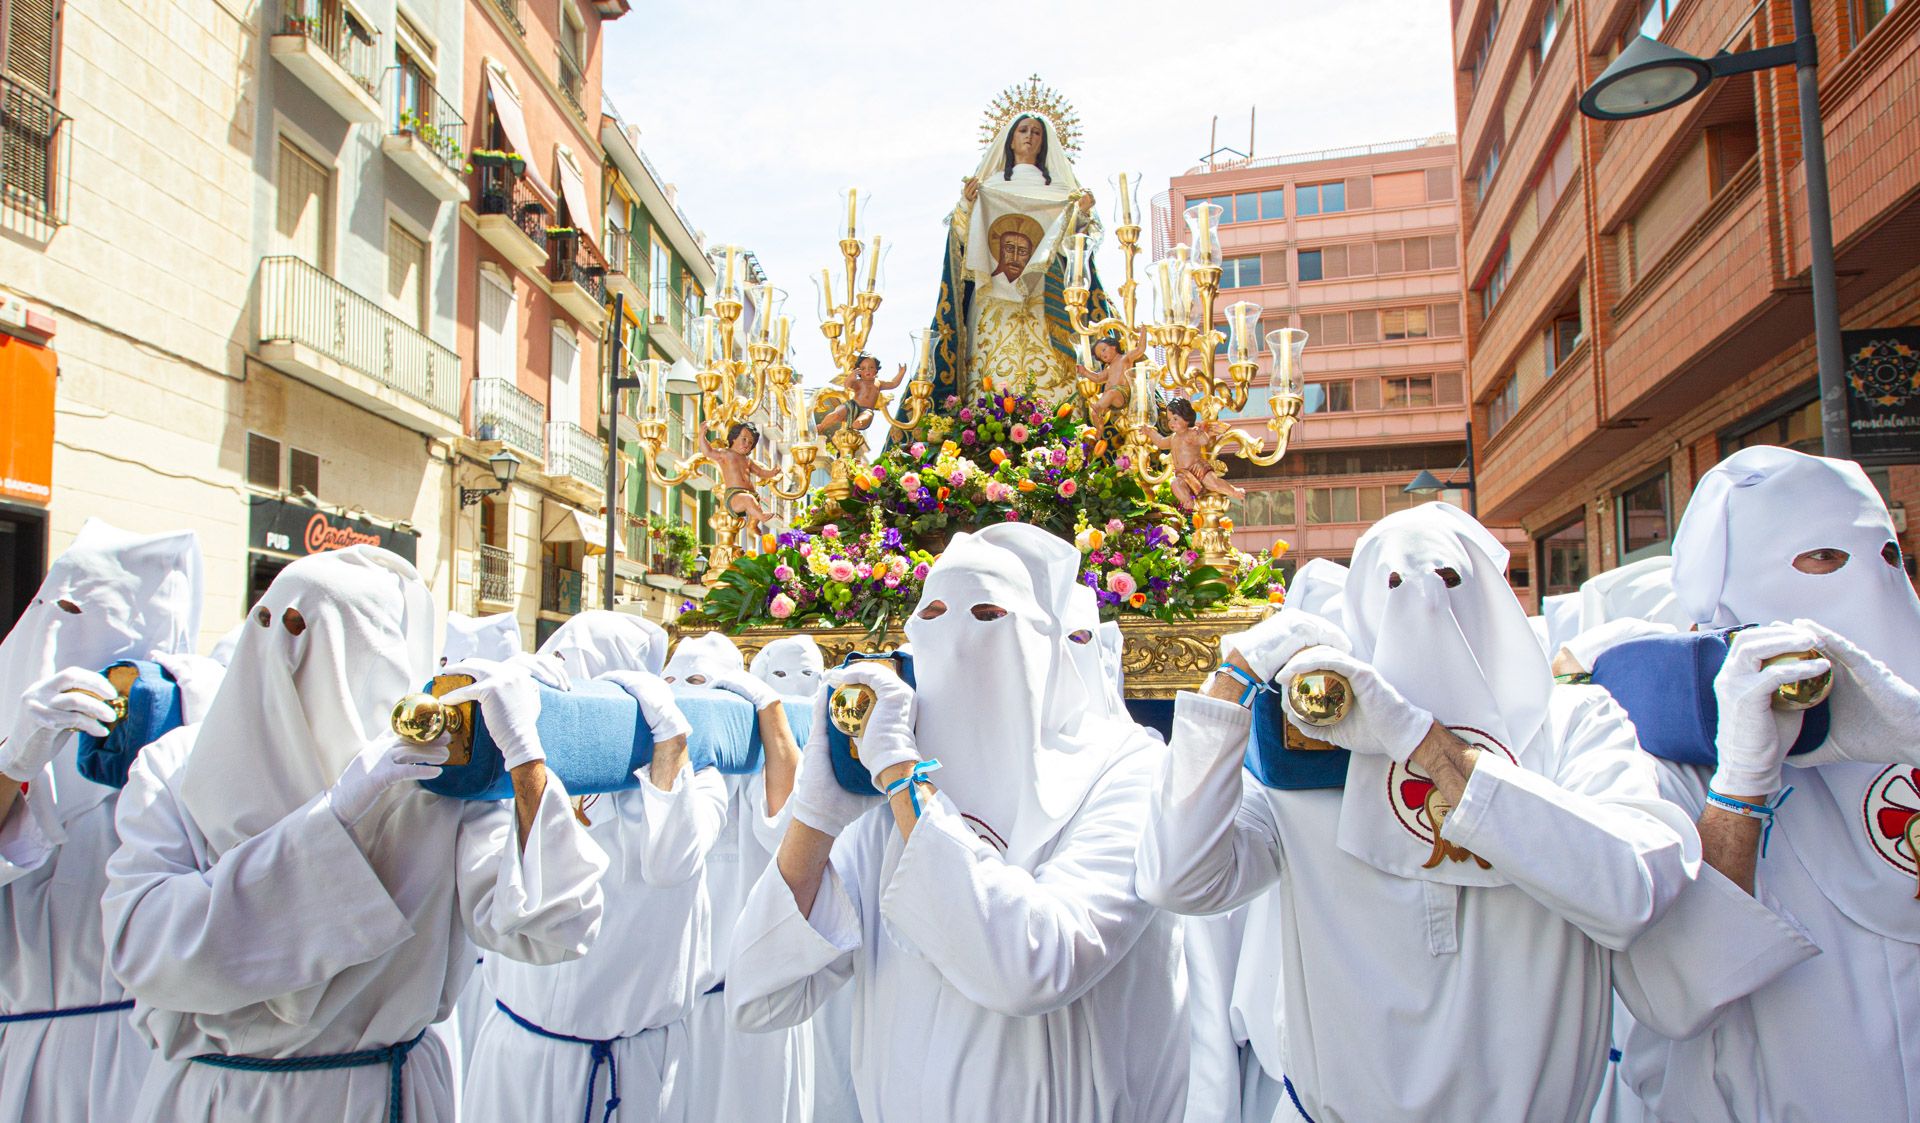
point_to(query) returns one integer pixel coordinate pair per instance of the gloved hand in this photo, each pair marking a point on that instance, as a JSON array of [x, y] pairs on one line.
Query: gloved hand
[[757, 693], [49, 710], [888, 737], [1268, 645], [1587, 647], [1380, 723], [818, 800], [1753, 740], [199, 678], [657, 706], [386, 761], [509, 701], [545, 669], [1876, 713]]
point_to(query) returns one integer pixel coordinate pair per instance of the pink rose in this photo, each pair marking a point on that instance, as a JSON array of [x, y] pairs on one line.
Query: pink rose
[[840, 569], [967, 436], [958, 479], [1019, 433], [1059, 457], [917, 449], [1189, 557], [920, 572], [806, 549], [830, 531], [780, 607], [864, 570], [1118, 558], [911, 481], [1115, 526], [783, 572], [1121, 582], [1037, 418], [891, 580], [1123, 462], [1067, 488], [966, 414]]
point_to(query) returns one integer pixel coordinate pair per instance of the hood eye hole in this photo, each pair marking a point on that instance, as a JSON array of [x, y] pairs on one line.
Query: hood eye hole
[[443, 660], [1821, 561], [670, 678], [779, 674], [1890, 553], [1393, 580], [1449, 576], [294, 622], [934, 610], [988, 612], [68, 606], [696, 680], [263, 617], [1081, 636]]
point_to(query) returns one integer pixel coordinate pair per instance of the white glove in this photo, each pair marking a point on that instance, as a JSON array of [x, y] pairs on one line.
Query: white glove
[[545, 669], [49, 710], [509, 702], [888, 737], [1381, 721], [1587, 647], [657, 707], [757, 693], [385, 761], [1268, 645], [1876, 713], [199, 678], [818, 799], [1752, 740]]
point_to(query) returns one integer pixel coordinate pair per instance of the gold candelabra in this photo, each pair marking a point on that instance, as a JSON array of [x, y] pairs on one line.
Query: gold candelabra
[[847, 305], [740, 365], [1186, 286]]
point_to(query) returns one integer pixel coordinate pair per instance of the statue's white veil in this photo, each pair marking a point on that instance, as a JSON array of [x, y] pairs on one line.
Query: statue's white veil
[[993, 162]]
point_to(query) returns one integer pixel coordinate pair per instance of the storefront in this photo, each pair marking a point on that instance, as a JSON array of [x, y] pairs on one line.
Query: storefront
[[280, 531], [27, 372]]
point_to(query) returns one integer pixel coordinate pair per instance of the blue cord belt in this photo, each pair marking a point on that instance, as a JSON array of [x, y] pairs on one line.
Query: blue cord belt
[[393, 1056], [602, 1052], [69, 1012]]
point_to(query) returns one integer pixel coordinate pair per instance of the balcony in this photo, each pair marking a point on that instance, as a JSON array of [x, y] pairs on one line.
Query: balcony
[[424, 135], [626, 269], [512, 217], [560, 589], [323, 333], [327, 47], [503, 412], [494, 573], [578, 273], [33, 147], [569, 74], [669, 322], [576, 461]]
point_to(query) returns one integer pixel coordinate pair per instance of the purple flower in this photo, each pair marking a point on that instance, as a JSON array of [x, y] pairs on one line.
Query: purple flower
[[1189, 557], [890, 538], [1060, 456], [966, 436], [1089, 580], [686, 606], [957, 479], [1157, 584], [1155, 536]]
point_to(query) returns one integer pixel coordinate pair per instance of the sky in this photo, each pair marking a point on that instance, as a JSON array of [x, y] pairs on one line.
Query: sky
[[761, 112]]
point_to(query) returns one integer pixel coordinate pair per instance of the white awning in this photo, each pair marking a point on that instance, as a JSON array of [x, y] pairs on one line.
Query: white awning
[[561, 523], [575, 189], [513, 122]]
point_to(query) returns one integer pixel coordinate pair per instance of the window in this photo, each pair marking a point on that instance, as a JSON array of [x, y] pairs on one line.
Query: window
[[1871, 12], [1489, 166], [1795, 426], [1550, 22], [303, 471], [1654, 13], [30, 142], [1412, 391], [1263, 508], [1503, 405], [1641, 512], [1328, 397], [301, 197], [1496, 286], [497, 354], [1554, 177], [407, 275], [661, 270], [1244, 207], [1483, 48], [1259, 337], [1273, 204], [1319, 198], [1240, 272], [1563, 556], [563, 403], [263, 462], [1563, 335], [1404, 323], [413, 59], [1310, 265], [1334, 505]]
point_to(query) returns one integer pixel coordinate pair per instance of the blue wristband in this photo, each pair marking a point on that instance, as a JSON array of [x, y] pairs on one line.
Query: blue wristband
[[1752, 811], [1249, 686], [910, 782]]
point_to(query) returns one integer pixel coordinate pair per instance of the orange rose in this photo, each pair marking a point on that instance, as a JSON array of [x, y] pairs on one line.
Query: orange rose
[[1279, 548], [1006, 403], [987, 385], [1137, 600], [1276, 596], [1226, 524], [1026, 485], [997, 456], [1064, 410], [944, 492]]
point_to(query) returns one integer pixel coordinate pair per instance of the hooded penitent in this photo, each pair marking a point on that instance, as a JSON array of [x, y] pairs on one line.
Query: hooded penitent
[[1018, 713], [494, 637], [696, 659], [112, 595], [791, 665], [1320, 587], [1641, 590], [334, 642], [597, 641], [1429, 607]]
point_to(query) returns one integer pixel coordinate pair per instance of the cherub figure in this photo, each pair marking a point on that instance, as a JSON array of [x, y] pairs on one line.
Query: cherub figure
[[1193, 471], [1113, 374], [863, 395], [740, 475]]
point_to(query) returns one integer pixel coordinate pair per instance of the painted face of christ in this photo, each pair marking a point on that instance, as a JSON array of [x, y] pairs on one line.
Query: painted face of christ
[[1016, 250]]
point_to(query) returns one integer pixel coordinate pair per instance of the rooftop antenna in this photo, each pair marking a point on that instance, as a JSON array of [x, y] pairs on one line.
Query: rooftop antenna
[[1213, 140], [1252, 116]]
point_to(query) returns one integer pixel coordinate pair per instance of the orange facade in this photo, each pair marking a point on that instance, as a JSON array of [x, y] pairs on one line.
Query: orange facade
[[26, 421]]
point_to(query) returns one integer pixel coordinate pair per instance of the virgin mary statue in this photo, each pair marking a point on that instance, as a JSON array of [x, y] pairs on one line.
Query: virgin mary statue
[[1002, 311]]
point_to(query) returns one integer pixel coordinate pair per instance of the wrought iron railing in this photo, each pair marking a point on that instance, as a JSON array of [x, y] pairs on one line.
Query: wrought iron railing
[[511, 10], [500, 191], [301, 304], [573, 452], [332, 27], [569, 73], [33, 147], [415, 108], [502, 412], [495, 570], [575, 258]]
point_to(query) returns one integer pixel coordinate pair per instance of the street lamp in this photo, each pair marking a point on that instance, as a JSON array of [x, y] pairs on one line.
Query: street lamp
[[1651, 77], [1426, 483], [505, 466]]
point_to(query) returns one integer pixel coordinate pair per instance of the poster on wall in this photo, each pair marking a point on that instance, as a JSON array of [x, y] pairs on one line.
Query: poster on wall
[[1883, 394]]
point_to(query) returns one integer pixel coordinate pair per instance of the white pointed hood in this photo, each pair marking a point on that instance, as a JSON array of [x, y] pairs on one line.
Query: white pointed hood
[[700, 657], [494, 637], [792, 665], [597, 641], [1641, 590], [1320, 587]]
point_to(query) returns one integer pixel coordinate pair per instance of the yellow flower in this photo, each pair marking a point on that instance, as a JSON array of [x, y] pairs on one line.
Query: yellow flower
[[1279, 548], [1098, 537], [1027, 485], [768, 543], [948, 448], [997, 456]]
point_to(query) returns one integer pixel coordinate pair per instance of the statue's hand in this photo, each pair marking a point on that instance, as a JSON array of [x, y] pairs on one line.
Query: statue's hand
[[1086, 201], [970, 189]]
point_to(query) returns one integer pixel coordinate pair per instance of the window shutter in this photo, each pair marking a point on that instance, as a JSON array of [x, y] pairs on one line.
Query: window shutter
[[1333, 262], [1445, 320], [26, 47], [263, 462], [1360, 193], [1360, 259], [1389, 258], [1441, 252], [1310, 323], [1273, 267], [1416, 253], [563, 392], [1366, 326], [1333, 329], [1447, 388], [1439, 185], [498, 325], [1366, 393]]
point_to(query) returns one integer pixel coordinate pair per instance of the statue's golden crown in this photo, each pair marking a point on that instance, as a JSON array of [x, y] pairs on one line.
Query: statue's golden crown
[[1035, 97]]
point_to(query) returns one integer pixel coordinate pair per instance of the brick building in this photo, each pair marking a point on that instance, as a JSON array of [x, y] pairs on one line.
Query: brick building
[[1360, 247], [1638, 297]]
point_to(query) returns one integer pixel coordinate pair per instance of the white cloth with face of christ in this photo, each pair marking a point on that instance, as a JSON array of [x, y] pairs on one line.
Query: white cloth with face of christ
[[246, 920], [1003, 966], [1412, 989], [111, 595]]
